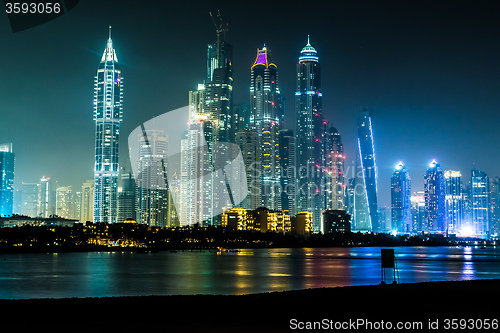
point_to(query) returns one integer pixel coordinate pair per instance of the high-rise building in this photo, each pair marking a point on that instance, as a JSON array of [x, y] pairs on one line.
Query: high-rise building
[[494, 206], [418, 211], [288, 179], [29, 199], [310, 135], [480, 203], [435, 206], [218, 89], [265, 119], [453, 200], [64, 202], [350, 197], [7, 160], [196, 187], [87, 202], [401, 200], [384, 220], [334, 162], [365, 215], [108, 93], [153, 206], [46, 197], [126, 196], [248, 140]]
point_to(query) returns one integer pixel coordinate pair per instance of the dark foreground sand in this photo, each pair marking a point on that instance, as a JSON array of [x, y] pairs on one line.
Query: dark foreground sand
[[269, 312]]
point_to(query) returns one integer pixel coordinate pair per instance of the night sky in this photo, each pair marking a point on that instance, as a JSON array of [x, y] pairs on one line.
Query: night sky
[[428, 70]]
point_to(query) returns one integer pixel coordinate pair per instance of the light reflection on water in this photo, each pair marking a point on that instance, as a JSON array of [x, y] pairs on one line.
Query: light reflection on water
[[98, 274]]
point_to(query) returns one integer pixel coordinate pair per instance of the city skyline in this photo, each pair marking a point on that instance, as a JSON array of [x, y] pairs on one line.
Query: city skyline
[[39, 152]]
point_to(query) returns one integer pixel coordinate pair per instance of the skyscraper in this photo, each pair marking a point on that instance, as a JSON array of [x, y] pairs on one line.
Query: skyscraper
[[480, 203], [29, 199], [435, 213], [153, 193], [64, 202], [288, 179], [454, 200], [265, 119], [401, 200], [126, 196], [108, 93], [494, 206], [46, 197], [248, 140], [87, 202], [365, 215], [7, 159], [310, 135], [334, 162], [418, 211], [219, 87]]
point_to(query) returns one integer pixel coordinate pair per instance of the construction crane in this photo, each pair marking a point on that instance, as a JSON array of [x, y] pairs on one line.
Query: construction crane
[[219, 28]]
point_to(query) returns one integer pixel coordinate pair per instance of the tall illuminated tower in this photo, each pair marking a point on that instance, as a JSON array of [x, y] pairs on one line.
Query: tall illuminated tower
[[265, 119], [310, 134], [453, 200], [435, 206], [480, 203], [334, 161], [7, 159], [401, 200], [365, 215], [108, 93]]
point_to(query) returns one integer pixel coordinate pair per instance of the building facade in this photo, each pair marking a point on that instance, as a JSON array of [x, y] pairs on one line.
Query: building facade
[[334, 172], [480, 203], [265, 117], [435, 213], [108, 93], [153, 194], [401, 201], [336, 221], [7, 160], [46, 197], [454, 200], [288, 179], [310, 136], [365, 214]]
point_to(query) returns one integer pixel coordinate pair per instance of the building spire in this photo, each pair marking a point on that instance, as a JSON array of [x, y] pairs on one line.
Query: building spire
[[109, 32], [308, 44]]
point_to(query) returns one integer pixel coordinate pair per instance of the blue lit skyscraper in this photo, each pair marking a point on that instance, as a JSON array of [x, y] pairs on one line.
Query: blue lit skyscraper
[[435, 207], [401, 200], [454, 200], [480, 203], [7, 159], [310, 135], [107, 115], [366, 217]]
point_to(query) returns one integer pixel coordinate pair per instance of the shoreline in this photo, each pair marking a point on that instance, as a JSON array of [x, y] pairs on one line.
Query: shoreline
[[265, 312], [79, 249]]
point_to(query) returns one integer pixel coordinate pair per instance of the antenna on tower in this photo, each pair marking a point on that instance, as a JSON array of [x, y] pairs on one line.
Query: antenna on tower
[[109, 32]]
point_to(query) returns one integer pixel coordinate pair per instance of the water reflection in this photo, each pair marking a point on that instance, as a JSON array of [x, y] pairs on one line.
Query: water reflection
[[249, 271]]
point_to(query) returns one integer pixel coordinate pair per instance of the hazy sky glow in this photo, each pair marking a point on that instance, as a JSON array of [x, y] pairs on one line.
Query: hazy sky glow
[[429, 71]]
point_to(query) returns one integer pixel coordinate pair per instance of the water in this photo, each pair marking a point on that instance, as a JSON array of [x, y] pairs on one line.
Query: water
[[98, 274]]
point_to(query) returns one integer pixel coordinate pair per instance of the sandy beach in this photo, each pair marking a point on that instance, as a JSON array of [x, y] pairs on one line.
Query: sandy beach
[[340, 309]]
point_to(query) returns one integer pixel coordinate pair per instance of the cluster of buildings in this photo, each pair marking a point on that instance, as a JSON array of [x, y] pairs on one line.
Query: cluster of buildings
[[448, 205], [295, 177]]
